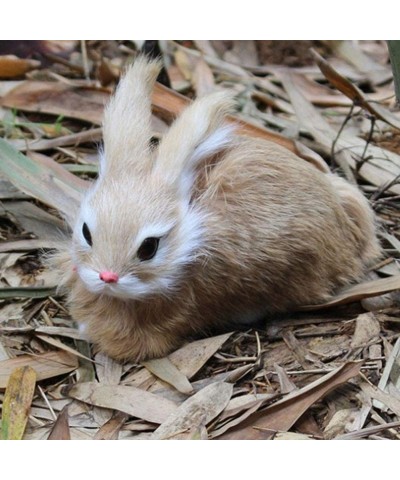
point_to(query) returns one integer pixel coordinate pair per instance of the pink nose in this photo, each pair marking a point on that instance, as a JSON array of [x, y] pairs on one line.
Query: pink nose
[[108, 277]]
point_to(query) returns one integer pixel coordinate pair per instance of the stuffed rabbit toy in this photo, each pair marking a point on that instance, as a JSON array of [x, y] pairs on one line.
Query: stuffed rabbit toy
[[204, 231]]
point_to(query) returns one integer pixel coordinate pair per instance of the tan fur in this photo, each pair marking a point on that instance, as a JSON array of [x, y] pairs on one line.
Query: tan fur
[[274, 233]]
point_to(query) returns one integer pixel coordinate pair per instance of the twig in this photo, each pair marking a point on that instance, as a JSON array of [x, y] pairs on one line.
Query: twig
[[369, 139], [85, 60], [47, 402], [348, 117]]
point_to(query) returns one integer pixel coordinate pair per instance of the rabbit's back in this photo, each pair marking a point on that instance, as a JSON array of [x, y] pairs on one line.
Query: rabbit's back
[[278, 233]]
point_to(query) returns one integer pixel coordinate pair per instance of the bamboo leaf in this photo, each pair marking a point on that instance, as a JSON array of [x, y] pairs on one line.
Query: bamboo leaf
[[283, 414], [165, 370], [46, 365], [196, 411], [60, 430], [17, 402], [43, 179], [131, 400]]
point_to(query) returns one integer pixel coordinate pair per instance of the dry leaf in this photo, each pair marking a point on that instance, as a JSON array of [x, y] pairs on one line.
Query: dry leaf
[[340, 423], [58, 99], [60, 430], [42, 178], [365, 432], [12, 66], [110, 430], [134, 401], [286, 384], [391, 373], [283, 414], [17, 402], [203, 78], [191, 357], [372, 288], [58, 344], [350, 51], [46, 365], [169, 104], [367, 329], [383, 167], [195, 412], [108, 370], [165, 370], [354, 93]]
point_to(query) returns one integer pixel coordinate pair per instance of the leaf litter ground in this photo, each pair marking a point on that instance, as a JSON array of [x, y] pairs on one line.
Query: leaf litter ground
[[327, 371]]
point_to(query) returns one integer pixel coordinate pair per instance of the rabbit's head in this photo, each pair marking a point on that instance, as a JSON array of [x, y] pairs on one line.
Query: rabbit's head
[[137, 227]]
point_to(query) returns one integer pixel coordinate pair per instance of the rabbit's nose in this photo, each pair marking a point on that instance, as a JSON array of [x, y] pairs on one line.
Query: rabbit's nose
[[108, 277]]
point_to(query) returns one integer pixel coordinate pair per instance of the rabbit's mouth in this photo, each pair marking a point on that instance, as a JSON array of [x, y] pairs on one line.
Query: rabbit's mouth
[[127, 287]]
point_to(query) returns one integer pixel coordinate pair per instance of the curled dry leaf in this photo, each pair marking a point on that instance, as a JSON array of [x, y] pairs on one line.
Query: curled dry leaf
[[17, 402]]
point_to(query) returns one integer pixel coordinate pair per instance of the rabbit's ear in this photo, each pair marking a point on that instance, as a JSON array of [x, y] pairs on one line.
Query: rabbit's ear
[[196, 134], [127, 117]]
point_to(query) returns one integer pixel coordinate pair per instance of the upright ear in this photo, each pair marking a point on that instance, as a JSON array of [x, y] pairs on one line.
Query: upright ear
[[196, 134], [127, 117]]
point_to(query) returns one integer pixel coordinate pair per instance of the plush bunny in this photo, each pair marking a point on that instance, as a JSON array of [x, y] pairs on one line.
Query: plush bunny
[[206, 230]]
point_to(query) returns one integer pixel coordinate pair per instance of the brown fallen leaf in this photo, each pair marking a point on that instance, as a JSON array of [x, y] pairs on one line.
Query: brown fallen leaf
[[134, 401], [283, 414], [188, 359], [17, 402], [165, 370], [11, 66], [58, 344], [110, 430], [367, 329], [60, 430], [108, 370], [365, 432], [169, 104], [354, 93], [352, 53], [383, 167], [391, 373], [58, 99], [358, 292], [191, 357], [46, 365], [195, 412]]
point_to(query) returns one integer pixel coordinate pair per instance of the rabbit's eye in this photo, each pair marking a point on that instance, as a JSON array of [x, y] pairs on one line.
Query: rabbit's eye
[[148, 248], [86, 234]]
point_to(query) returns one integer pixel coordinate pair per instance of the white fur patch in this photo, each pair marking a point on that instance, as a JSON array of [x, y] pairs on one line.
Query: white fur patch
[[88, 216], [214, 143], [155, 230], [128, 286]]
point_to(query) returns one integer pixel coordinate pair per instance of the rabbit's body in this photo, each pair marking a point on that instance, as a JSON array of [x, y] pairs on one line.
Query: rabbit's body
[[240, 227]]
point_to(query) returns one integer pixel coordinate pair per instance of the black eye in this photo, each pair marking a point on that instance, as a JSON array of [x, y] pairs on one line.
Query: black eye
[[86, 234], [148, 248]]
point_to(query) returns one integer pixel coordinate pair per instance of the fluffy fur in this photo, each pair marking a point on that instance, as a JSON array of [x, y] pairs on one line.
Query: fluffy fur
[[246, 229]]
